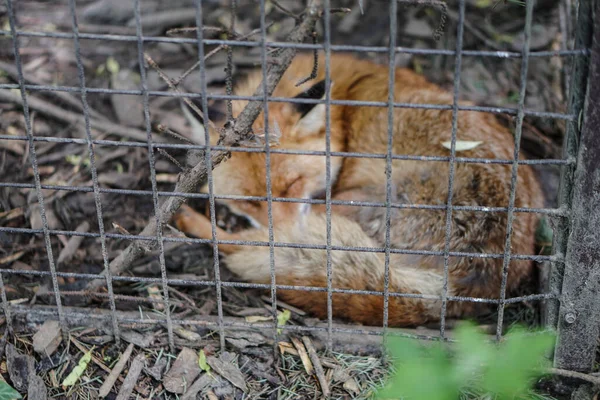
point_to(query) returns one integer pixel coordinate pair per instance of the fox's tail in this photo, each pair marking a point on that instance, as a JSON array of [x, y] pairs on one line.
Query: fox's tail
[[354, 272]]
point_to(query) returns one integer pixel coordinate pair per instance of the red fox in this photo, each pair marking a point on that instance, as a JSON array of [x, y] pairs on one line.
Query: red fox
[[364, 129]]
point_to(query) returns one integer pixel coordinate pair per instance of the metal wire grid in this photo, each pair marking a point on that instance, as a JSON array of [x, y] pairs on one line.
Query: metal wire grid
[[217, 283]]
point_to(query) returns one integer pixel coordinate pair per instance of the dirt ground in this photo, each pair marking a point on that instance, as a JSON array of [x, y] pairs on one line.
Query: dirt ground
[[249, 368]]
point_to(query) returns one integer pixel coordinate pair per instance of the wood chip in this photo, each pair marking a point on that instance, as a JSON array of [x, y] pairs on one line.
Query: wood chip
[[132, 376], [115, 372], [12, 214], [155, 293], [285, 347], [11, 257], [211, 395], [36, 389], [351, 386], [197, 386], [68, 252], [308, 367], [158, 369], [187, 334], [229, 371], [19, 367], [42, 170], [47, 339], [141, 390], [141, 341], [184, 370], [317, 364]]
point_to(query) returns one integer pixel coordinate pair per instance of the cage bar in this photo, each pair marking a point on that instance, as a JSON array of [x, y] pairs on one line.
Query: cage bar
[[574, 288], [578, 321]]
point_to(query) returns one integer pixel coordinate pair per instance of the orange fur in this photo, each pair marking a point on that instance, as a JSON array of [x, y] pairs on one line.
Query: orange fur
[[364, 129]]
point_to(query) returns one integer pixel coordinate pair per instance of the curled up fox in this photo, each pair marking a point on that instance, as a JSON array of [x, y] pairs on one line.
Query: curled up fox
[[364, 129]]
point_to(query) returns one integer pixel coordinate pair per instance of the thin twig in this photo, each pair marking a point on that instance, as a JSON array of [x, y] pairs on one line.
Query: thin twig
[[316, 362], [285, 10], [576, 375], [164, 129], [193, 29], [234, 132], [135, 369], [212, 53], [174, 88], [229, 65], [73, 244], [141, 390], [64, 96], [115, 372], [344, 10], [169, 157], [313, 73], [56, 112]]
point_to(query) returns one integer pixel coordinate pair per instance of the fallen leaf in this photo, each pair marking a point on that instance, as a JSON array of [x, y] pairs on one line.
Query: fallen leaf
[[7, 392], [183, 372], [283, 318], [462, 145], [229, 371], [47, 339], [202, 362], [78, 370]]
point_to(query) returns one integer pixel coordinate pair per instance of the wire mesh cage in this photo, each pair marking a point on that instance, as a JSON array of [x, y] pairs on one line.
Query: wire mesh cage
[[119, 244]]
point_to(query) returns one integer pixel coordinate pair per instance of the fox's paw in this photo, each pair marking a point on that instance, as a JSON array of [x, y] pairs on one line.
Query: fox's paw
[[192, 223]]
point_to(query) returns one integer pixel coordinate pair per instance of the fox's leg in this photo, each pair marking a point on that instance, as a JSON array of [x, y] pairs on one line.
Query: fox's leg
[[193, 223]]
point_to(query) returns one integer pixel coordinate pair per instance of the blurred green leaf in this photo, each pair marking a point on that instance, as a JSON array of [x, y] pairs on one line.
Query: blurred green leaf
[[518, 359], [434, 372], [7, 392]]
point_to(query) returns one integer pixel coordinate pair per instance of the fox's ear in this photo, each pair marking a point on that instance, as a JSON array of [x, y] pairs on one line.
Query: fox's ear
[[198, 134], [312, 116]]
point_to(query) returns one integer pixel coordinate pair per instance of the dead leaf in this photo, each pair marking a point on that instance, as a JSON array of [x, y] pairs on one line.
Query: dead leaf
[[462, 145], [229, 371], [47, 339], [184, 371], [351, 386]]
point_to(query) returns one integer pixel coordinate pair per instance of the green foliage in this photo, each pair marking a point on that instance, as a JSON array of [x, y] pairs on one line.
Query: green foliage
[[543, 236], [504, 370], [7, 392], [282, 319], [202, 362], [78, 371]]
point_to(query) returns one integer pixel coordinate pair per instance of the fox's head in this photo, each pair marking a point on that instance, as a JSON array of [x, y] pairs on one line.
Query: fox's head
[[300, 127]]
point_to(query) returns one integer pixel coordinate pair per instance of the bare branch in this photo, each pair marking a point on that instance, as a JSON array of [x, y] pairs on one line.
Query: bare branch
[[234, 133]]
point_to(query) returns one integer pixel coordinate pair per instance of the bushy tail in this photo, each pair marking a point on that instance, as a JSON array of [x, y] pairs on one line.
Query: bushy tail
[[353, 270]]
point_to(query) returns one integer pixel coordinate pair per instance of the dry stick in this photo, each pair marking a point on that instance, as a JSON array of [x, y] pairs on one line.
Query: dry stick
[[235, 132], [121, 297], [141, 390], [174, 88], [132, 376], [73, 244], [56, 112], [193, 29], [115, 372], [64, 96], [312, 353], [574, 374], [304, 357]]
